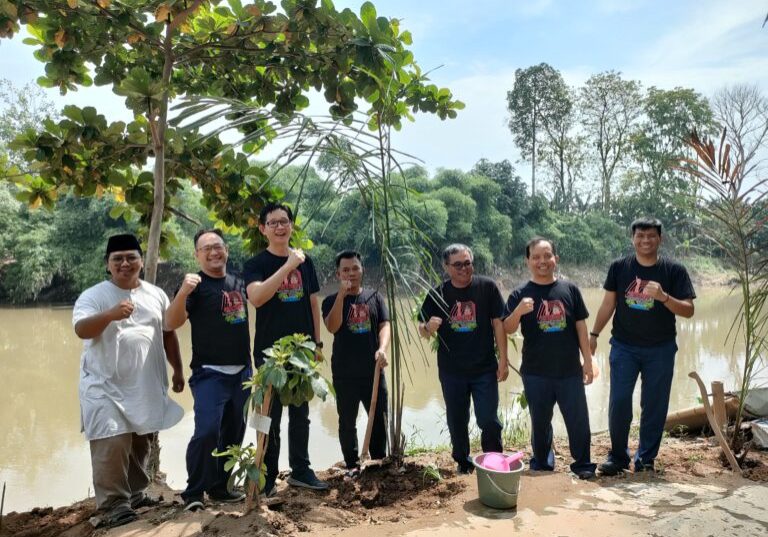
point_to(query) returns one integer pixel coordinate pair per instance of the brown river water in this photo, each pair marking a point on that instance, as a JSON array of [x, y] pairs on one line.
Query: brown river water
[[44, 459]]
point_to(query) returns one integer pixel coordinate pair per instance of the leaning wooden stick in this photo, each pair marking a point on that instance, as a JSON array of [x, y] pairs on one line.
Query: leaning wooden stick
[[261, 448], [365, 454], [713, 423]]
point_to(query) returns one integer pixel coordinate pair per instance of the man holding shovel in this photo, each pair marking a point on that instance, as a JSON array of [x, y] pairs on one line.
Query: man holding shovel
[[359, 321], [465, 314], [282, 284]]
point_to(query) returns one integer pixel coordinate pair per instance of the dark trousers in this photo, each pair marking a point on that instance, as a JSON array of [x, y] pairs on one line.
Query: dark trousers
[[349, 394], [654, 365], [219, 423], [483, 389], [542, 393], [298, 440]]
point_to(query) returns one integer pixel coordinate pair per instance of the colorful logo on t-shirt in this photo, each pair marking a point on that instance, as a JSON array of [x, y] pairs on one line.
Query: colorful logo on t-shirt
[[635, 296], [359, 319], [551, 316], [464, 317], [292, 289], [233, 307]]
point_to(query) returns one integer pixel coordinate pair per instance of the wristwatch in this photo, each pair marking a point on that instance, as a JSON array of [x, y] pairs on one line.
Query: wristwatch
[[319, 344]]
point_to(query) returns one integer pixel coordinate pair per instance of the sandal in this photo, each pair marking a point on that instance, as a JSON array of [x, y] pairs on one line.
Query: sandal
[[114, 520], [146, 501], [352, 473]]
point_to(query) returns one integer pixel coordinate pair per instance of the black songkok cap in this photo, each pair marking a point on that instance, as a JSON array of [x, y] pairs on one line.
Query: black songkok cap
[[120, 243]]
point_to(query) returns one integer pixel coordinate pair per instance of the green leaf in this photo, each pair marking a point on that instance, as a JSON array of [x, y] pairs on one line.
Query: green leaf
[[368, 15]]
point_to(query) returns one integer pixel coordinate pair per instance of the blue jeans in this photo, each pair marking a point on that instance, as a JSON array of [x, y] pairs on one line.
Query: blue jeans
[[655, 366], [542, 393], [484, 392], [219, 423]]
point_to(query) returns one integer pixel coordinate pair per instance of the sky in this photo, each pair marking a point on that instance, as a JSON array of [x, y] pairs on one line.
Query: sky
[[475, 47]]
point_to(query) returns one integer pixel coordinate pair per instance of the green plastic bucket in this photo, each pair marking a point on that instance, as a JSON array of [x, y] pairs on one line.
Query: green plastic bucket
[[497, 489]]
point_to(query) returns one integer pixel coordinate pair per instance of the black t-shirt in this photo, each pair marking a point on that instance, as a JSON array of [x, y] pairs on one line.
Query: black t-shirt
[[356, 341], [218, 313], [639, 319], [289, 311], [550, 340], [466, 336]]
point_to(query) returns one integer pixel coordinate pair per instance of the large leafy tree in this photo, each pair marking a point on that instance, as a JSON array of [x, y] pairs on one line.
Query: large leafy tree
[[610, 107], [659, 145], [153, 51], [537, 103]]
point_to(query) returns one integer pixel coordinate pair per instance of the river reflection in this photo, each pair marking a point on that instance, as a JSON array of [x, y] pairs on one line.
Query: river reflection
[[45, 461]]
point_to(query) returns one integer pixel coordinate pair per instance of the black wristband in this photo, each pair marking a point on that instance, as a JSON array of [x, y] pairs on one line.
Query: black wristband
[[318, 344], [594, 335]]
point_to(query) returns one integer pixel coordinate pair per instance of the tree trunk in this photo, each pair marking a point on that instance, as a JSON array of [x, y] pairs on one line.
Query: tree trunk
[[158, 126]]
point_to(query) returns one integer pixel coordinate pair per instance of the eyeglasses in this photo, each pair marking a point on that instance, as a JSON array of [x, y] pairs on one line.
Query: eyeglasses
[[208, 248], [460, 264], [130, 258], [274, 224]]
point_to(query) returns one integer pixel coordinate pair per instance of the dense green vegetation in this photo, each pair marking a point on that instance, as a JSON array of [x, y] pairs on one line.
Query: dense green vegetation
[[590, 182]]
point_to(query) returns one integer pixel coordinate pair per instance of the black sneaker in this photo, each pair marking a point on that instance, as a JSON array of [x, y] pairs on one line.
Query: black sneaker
[[610, 468], [227, 497], [585, 474], [194, 504], [307, 480]]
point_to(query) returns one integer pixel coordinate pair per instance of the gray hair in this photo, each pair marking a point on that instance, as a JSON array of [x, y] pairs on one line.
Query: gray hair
[[455, 248]]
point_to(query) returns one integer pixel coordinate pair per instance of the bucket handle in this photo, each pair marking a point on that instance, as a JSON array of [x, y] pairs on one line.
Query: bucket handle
[[490, 479]]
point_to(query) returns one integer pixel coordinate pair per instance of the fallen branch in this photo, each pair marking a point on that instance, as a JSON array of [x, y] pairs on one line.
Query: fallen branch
[[713, 424]]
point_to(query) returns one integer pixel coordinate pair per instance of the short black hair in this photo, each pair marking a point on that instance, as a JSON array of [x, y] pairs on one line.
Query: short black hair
[[455, 248], [204, 231], [645, 222], [271, 207], [348, 254], [536, 240]]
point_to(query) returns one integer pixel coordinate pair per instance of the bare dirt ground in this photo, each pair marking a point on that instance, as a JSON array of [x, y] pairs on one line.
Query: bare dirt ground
[[395, 501]]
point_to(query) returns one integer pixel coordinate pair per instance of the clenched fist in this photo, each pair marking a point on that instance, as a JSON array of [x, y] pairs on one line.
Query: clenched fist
[[190, 283], [525, 306], [295, 258], [121, 311]]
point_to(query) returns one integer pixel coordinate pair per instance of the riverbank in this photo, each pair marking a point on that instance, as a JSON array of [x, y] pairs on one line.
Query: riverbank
[[692, 483]]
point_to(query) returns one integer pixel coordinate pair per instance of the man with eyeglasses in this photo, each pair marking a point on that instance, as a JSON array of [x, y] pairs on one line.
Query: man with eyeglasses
[[644, 292], [123, 381], [465, 313], [282, 284], [214, 302]]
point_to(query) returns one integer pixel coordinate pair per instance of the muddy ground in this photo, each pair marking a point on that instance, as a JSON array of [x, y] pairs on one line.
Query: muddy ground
[[382, 497]]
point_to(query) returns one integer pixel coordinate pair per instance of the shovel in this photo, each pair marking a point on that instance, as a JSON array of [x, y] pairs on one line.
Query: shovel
[[365, 454]]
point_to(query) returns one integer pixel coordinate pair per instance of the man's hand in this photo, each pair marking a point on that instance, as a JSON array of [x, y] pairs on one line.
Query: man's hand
[[589, 375], [177, 381], [190, 283], [503, 371], [654, 290], [524, 307], [381, 359], [295, 258], [592, 344], [433, 325], [121, 311], [344, 287]]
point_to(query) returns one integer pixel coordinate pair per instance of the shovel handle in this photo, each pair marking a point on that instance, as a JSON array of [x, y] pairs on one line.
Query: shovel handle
[[371, 414]]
